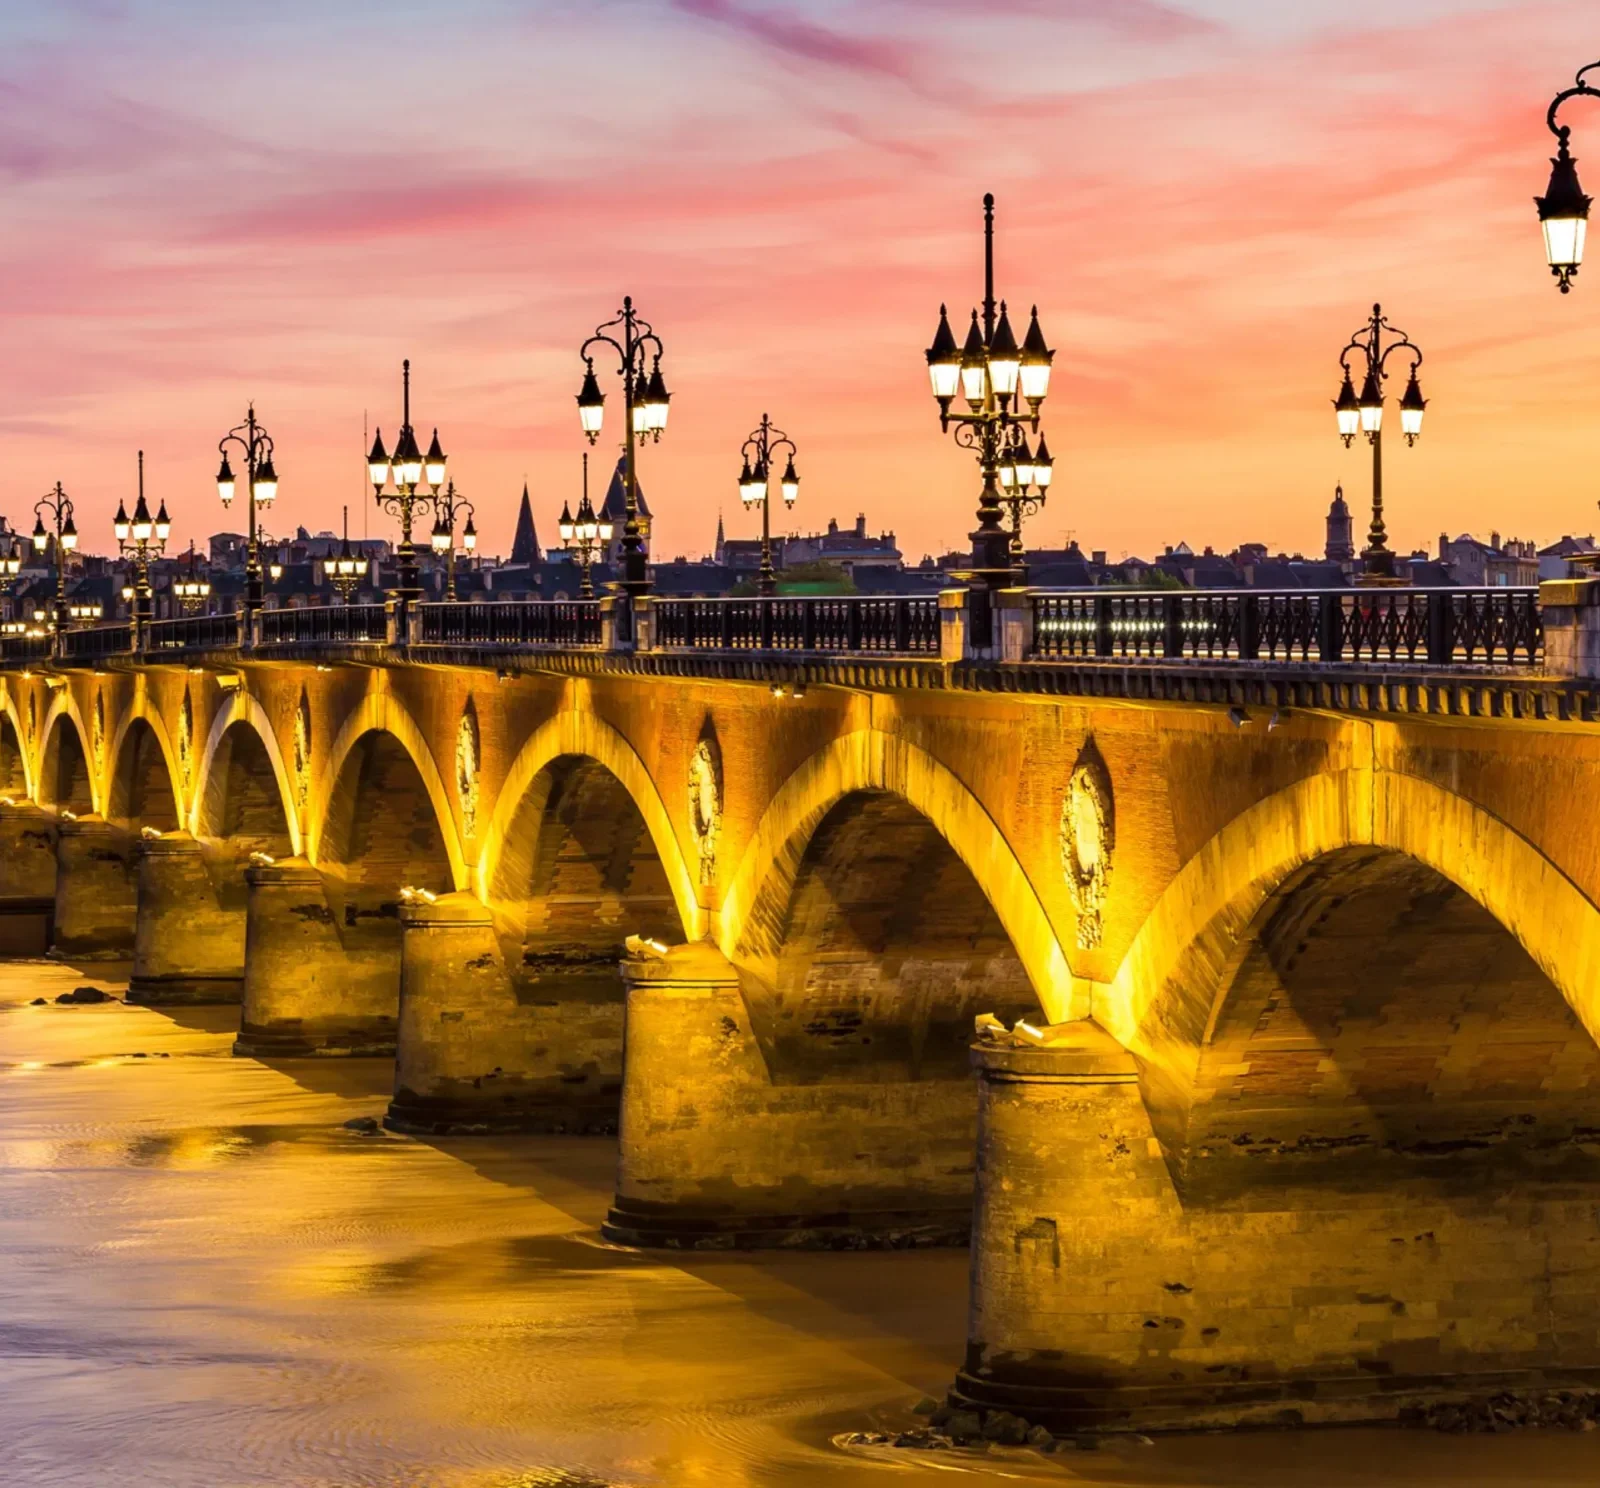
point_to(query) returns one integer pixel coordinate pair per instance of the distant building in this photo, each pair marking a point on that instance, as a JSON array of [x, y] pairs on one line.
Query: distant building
[[1494, 564], [525, 545], [1555, 562], [849, 549], [614, 509]]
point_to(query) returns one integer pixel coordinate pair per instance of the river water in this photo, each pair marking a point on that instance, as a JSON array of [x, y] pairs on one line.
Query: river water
[[208, 1281]]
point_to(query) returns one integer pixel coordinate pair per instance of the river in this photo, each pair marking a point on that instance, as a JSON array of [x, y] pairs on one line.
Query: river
[[208, 1281]]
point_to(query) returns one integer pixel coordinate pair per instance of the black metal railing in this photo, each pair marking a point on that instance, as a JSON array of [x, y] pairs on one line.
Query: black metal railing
[[1436, 627], [192, 633], [513, 622], [360, 623], [899, 625], [95, 641], [24, 648]]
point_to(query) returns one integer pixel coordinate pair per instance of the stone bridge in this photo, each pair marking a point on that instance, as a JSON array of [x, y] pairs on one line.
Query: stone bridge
[[1291, 1096]]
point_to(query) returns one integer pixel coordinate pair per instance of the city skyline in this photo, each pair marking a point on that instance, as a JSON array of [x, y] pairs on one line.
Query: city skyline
[[1201, 202]]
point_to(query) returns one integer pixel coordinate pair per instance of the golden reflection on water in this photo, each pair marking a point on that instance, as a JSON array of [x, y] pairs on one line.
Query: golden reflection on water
[[208, 1281]]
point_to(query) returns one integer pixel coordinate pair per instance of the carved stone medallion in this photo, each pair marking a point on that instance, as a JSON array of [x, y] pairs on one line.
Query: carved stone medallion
[[1088, 842], [705, 804]]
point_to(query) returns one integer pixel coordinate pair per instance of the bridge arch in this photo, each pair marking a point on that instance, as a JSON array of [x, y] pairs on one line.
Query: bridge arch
[[143, 766], [575, 732], [1165, 1015], [240, 713], [867, 761], [66, 776], [16, 766]]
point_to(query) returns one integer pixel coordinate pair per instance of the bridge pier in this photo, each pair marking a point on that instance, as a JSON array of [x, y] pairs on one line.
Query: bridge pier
[[1102, 1297], [27, 879], [475, 1055], [96, 891], [305, 990], [714, 1155], [187, 947]]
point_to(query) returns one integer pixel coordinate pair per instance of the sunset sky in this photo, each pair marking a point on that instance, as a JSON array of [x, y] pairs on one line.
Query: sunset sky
[[207, 203]]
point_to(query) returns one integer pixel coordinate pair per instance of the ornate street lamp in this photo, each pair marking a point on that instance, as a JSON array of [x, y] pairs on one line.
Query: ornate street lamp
[[140, 539], [418, 481], [586, 538], [1564, 209], [10, 568], [347, 570], [644, 402], [755, 486], [191, 592], [995, 377], [1363, 414], [59, 506], [447, 504], [261, 490]]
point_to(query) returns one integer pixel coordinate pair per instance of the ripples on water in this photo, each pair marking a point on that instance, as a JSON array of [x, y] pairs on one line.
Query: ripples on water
[[207, 1281]]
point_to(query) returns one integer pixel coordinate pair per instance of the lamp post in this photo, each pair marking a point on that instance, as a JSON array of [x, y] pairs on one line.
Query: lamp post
[[261, 489], [348, 569], [644, 403], [995, 377], [10, 567], [141, 539], [191, 592], [585, 538], [1564, 209], [447, 504], [755, 483], [59, 507], [406, 471], [1363, 414]]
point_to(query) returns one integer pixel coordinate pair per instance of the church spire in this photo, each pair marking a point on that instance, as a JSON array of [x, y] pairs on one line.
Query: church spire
[[525, 545], [721, 541]]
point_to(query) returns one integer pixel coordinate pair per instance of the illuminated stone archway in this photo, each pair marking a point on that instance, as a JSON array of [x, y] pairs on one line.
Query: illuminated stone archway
[[24, 788], [141, 716], [241, 709], [380, 713], [870, 760], [64, 712], [1223, 887], [577, 732]]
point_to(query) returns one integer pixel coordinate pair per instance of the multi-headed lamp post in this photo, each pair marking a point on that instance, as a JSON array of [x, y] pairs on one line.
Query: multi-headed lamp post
[[140, 539], [59, 507], [1564, 209], [346, 570], [406, 470], [586, 537], [261, 490], [1363, 414], [996, 377], [760, 451], [191, 592], [644, 403], [447, 506]]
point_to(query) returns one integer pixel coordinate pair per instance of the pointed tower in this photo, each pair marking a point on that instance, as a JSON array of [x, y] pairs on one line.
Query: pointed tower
[[615, 511], [525, 545], [721, 541], [1340, 546]]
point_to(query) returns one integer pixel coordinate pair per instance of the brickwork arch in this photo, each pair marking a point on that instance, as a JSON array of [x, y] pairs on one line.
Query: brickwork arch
[[62, 714], [380, 713], [142, 719], [869, 760], [577, 732], [1163, 1013], [240, 709], [17, 765]]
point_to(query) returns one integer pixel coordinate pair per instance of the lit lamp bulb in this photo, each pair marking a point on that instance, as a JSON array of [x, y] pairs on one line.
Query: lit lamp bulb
[[791, 483], [1043, 466], [266, 485], [69, 534], [435, 463], [163, 525], [944, 363], [441, 536], [751, 486], [1005, 359], [378, 464], [657, 399], [1347, 410], [564, 526], [974, 366], [225, 482], [591, 404], [1371, 404], [41, 538], [1036, 360], [119, 525], [469, 536], [1564, 216], [1412, 405]]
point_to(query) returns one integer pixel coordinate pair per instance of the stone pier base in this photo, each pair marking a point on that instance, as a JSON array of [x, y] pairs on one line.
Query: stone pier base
[[305, 991], [96, 891], [1101, 1300], [187, 946], [27, 879], [473, 1056], [714, 1155]]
